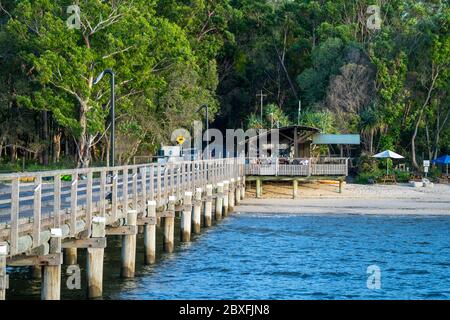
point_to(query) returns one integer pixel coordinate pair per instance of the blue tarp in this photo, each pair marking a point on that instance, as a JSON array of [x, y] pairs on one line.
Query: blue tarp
[[442, 160]]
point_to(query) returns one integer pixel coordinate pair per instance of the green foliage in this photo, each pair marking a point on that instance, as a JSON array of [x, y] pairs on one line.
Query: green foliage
[[402, 176], [275, 116], [170, 56], [321, 120], [326, 61]]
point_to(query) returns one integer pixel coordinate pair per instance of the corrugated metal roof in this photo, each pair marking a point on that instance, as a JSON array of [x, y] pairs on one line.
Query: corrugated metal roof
[[336, 139]]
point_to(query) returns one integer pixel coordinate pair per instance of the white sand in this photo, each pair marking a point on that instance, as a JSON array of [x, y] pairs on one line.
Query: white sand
[[357, 199]]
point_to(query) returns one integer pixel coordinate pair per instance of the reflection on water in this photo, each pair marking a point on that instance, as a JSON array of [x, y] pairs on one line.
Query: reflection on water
[[274, 256]]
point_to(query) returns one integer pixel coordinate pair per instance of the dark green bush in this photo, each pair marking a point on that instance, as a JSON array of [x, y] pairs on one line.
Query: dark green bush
[[402, 176]]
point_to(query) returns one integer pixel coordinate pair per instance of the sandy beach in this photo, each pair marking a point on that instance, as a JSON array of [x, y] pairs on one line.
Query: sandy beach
[[400, 199]]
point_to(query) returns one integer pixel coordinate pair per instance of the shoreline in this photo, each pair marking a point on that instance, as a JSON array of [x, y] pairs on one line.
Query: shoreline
[[358, 200]]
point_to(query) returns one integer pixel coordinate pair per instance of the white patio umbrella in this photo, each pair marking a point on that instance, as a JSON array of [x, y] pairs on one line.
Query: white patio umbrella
[[388, 154]]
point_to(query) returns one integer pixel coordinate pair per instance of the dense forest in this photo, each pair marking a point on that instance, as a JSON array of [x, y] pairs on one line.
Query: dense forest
[[317, 63]]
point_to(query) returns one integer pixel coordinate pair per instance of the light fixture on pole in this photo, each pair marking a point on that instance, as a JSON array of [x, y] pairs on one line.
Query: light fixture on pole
[[205, 106], [113, 111]]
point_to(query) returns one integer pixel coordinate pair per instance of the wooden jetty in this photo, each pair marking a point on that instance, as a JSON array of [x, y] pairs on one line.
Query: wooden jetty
[[46, 214], [78, 209]]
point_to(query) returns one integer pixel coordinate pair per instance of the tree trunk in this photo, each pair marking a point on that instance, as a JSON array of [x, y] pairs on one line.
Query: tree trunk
[[413, 143], [13, 153], [429, 147], [57, 146], [45, 138], [84, 141], [372, 133], [434, 76]]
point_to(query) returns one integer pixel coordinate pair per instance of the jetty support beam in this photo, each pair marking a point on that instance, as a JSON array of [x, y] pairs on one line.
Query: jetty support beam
[[51, 274], [231, 193], [129, 247], [259, 188], [295, 189], [219, 202], [226, 203], [208, 206], [150, 234], [196, 217], [169, 226], [186, 217], [95, 257], [4, 281]]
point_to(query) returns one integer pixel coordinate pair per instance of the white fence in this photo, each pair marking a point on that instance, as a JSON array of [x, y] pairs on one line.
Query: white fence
[[297, 167]]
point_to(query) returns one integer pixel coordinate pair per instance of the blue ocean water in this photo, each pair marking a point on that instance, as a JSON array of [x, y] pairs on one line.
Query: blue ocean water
[[282, 256]]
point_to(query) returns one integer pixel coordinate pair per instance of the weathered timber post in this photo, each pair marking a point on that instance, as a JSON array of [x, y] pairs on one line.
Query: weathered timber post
[[258, 188], [231, 194], [51, 274], [70, 256], [219, 201], [169, 226], [150, 234], [341, 182], [208, 206], [238, 191], [226, 187], [196, 217], [186, 217], [129, 246], [295, 190], [243, 188], [4, 281], [94, 261]]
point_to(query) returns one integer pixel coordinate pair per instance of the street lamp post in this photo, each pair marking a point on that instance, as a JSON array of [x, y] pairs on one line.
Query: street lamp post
[[113, 110], [205, 106]]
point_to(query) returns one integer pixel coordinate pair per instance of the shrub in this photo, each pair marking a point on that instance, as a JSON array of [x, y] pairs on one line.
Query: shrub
[[402, 176], [369, 177]]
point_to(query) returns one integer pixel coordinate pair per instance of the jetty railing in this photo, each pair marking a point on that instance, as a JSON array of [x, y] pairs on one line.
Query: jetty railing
[[297, 167], [43, 212]]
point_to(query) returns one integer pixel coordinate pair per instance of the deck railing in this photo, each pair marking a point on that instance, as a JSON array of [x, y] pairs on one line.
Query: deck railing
[[32, 202], [297, 167]]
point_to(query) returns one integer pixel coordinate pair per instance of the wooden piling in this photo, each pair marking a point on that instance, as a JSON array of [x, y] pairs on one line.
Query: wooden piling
[[3, 275], [238, 191], [186, 217], [219, 202], [169, 226], [94, 261], [208, 206], [196, 217], [129, 248], [231, 194], [226, 187], [258, 188], [51, 274], [94, 269], [243, 188], [150, 235], [341, 182], [295, 189], [70, 256]]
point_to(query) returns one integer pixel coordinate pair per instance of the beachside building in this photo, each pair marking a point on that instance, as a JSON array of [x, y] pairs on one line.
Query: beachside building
[[296, 153]]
